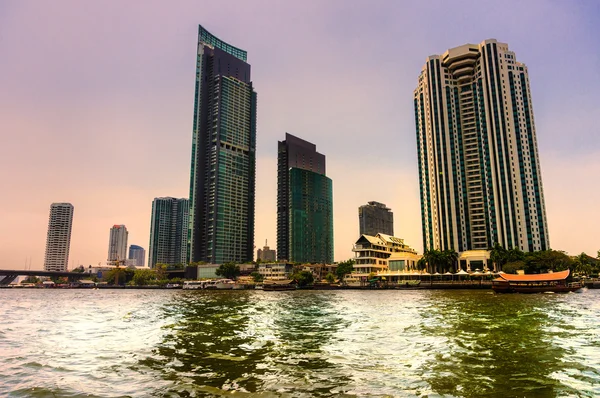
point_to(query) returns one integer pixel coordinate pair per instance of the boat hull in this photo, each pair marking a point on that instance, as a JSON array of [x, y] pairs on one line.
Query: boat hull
[[534, 289]]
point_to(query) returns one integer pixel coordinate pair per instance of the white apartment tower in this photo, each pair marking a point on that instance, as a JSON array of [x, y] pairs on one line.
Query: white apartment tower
[[117, 244], [58, 240], [479, 168]]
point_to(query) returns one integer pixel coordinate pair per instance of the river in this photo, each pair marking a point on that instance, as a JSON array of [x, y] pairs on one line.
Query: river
[[163, 343]]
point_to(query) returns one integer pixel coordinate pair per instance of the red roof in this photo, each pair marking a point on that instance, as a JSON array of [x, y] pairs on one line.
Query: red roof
[[553, 276]]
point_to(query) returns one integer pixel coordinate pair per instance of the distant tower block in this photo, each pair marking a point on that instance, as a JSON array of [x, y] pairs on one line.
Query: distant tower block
[[266, 254]]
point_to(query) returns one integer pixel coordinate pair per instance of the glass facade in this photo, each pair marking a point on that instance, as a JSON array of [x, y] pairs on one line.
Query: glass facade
[[223, 166], [168, 231], [311, 217]]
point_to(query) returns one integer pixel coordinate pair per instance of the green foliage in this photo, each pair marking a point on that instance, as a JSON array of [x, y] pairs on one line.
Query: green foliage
[[143, 277], [118, 276], [31, 279], [303, 278], [440, 261], [161, 271], [422, 264], [330, 278], [228, 270], [257, 277], [512, 267], [344, 268]]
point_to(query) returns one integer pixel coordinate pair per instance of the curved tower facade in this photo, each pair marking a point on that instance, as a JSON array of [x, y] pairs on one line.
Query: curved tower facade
[[222, 178], [479, 168]]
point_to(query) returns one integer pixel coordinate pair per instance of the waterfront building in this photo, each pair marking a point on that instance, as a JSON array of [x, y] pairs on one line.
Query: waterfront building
[[275, 271], [138, 254], [304, 203], [374, 218], [479, 169], [168, 231], [223, 164], [383, 253], [266, 254], [58, 239], [117, 244]]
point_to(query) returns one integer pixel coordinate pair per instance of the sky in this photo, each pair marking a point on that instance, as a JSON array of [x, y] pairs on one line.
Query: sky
[[96, 107]]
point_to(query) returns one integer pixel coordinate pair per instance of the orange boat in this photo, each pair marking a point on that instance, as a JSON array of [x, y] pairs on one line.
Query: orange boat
[[555, 282]]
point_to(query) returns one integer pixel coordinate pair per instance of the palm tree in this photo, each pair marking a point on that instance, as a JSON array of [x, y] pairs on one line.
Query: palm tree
[[451, 258], [435, 259], [499, 256]]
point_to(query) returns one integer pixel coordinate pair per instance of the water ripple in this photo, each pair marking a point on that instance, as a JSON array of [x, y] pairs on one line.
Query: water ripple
[[139, 343]]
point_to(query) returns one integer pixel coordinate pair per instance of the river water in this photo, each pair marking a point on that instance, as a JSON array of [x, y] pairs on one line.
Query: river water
[[162, 343]]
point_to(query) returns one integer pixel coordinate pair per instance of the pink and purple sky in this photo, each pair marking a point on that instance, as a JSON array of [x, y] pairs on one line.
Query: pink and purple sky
[[96, 105]]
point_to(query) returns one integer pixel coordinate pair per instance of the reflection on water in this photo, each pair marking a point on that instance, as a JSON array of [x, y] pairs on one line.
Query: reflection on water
[[304, 343]]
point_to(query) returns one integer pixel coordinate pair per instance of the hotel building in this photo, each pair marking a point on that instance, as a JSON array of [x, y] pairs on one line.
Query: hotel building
[[222, 178], [58, 240], [381, 253], [479, 169]]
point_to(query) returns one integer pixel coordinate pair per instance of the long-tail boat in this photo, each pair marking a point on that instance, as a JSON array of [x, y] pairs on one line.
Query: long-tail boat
[[555, 282]]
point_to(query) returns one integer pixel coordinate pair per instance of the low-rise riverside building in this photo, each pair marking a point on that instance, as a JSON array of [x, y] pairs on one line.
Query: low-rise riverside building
[[320, 271], [383, 252], [275, 271], [472, 260]]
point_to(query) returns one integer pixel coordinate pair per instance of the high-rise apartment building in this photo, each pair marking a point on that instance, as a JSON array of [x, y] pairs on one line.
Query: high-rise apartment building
[[117, 244], [304, 203], [138, 254], [58, 240], [375, 218], [168, 231], [479, 168], [222, 178]]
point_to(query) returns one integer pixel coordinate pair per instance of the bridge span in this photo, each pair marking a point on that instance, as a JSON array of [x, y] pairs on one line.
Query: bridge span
[[11, 274]]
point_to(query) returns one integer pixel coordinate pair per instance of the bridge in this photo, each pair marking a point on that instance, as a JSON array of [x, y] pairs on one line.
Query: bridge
[[11, 274]]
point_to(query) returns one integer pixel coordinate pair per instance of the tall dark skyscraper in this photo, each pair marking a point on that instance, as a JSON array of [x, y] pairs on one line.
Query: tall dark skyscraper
[[222, 178], [479, 169], [374, 218], [304, 203]]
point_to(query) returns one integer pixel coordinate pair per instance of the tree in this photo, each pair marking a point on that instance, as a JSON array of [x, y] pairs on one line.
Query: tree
[[422, 264], [303, 278], [330, 278], [547, 260], [142, 277], [514, 254], [450, 257], [511, 268], [499, 256], [435, 260], [31, 279], [344, 268], [161, 271], [115, 276], [228, 270], [257, 277]]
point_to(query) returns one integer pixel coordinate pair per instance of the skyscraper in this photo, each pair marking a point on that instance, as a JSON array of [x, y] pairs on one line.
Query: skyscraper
[[117, 244], [374, 218], [168, 231], [266, 254], [304, 203], [479, 168], [58, 240], [138, 254], [222, 178]]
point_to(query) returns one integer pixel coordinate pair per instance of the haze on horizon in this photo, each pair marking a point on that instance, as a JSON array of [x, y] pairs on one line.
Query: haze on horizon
[[96, 108]]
